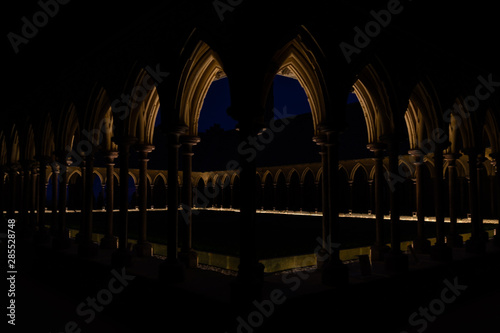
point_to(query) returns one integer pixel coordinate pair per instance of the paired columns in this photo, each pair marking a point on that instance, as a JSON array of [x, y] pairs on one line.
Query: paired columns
[[421, 244], [122, 255], [143, 247], [334, 272], [187, 255], [109, 241], [478, 238], [453, 239], [86, 246], [172, 270], [62, 241], [496, 166], [379, 249], [395, 259]]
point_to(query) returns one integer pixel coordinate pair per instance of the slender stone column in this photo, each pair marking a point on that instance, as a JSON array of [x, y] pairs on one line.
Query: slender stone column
[[83, 169], [23, 179], [288, 196], [26, 195], [263, 195], [248, 284], [495, 163], [2, 189], [316, 196], [453, 239], [42, 195], [351, 196], [172, 270], [231, 190], [379, 249], [143, 247], [150, 196], [334, 272], [371, 195], [421, 244], [439, 251], [275, 195], [395, 260], [109, 241], [42, 235], [34, 193], [476, 243], [188, 256], [13, 175], [62, 240], [55, 195], [122, 255], [325, 231], [480, 195], [87, 247]]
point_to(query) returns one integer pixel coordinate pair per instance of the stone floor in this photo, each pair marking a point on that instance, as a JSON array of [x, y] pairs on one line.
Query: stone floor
[[52, 285]]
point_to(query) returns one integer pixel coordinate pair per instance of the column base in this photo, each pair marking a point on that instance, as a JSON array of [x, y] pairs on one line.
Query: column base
[[379, 251], [109, 242], [335, 273], [247, 286], [121, 258], [422, 245], [441, 252], [144, 249], [171, 271], [396, 262], [87, 249], [189, 259], [455, 240]]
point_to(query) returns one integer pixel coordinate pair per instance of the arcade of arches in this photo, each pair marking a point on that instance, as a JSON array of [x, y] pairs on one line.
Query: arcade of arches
[[102, 131]]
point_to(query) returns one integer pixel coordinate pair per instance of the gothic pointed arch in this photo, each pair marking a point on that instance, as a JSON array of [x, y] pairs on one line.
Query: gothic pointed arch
[[199, 71], [372, 95], [297, 61]]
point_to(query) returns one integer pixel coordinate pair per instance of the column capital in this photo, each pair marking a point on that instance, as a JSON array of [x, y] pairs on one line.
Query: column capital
[[190, 140], [144, 148], [376, 147], [452, 157], [178, 129], [110, 156], [418, 156], [56, 168]]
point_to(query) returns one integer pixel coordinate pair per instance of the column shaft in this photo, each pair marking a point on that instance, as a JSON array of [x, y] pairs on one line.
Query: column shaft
[[173, 196], [438, 190]]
